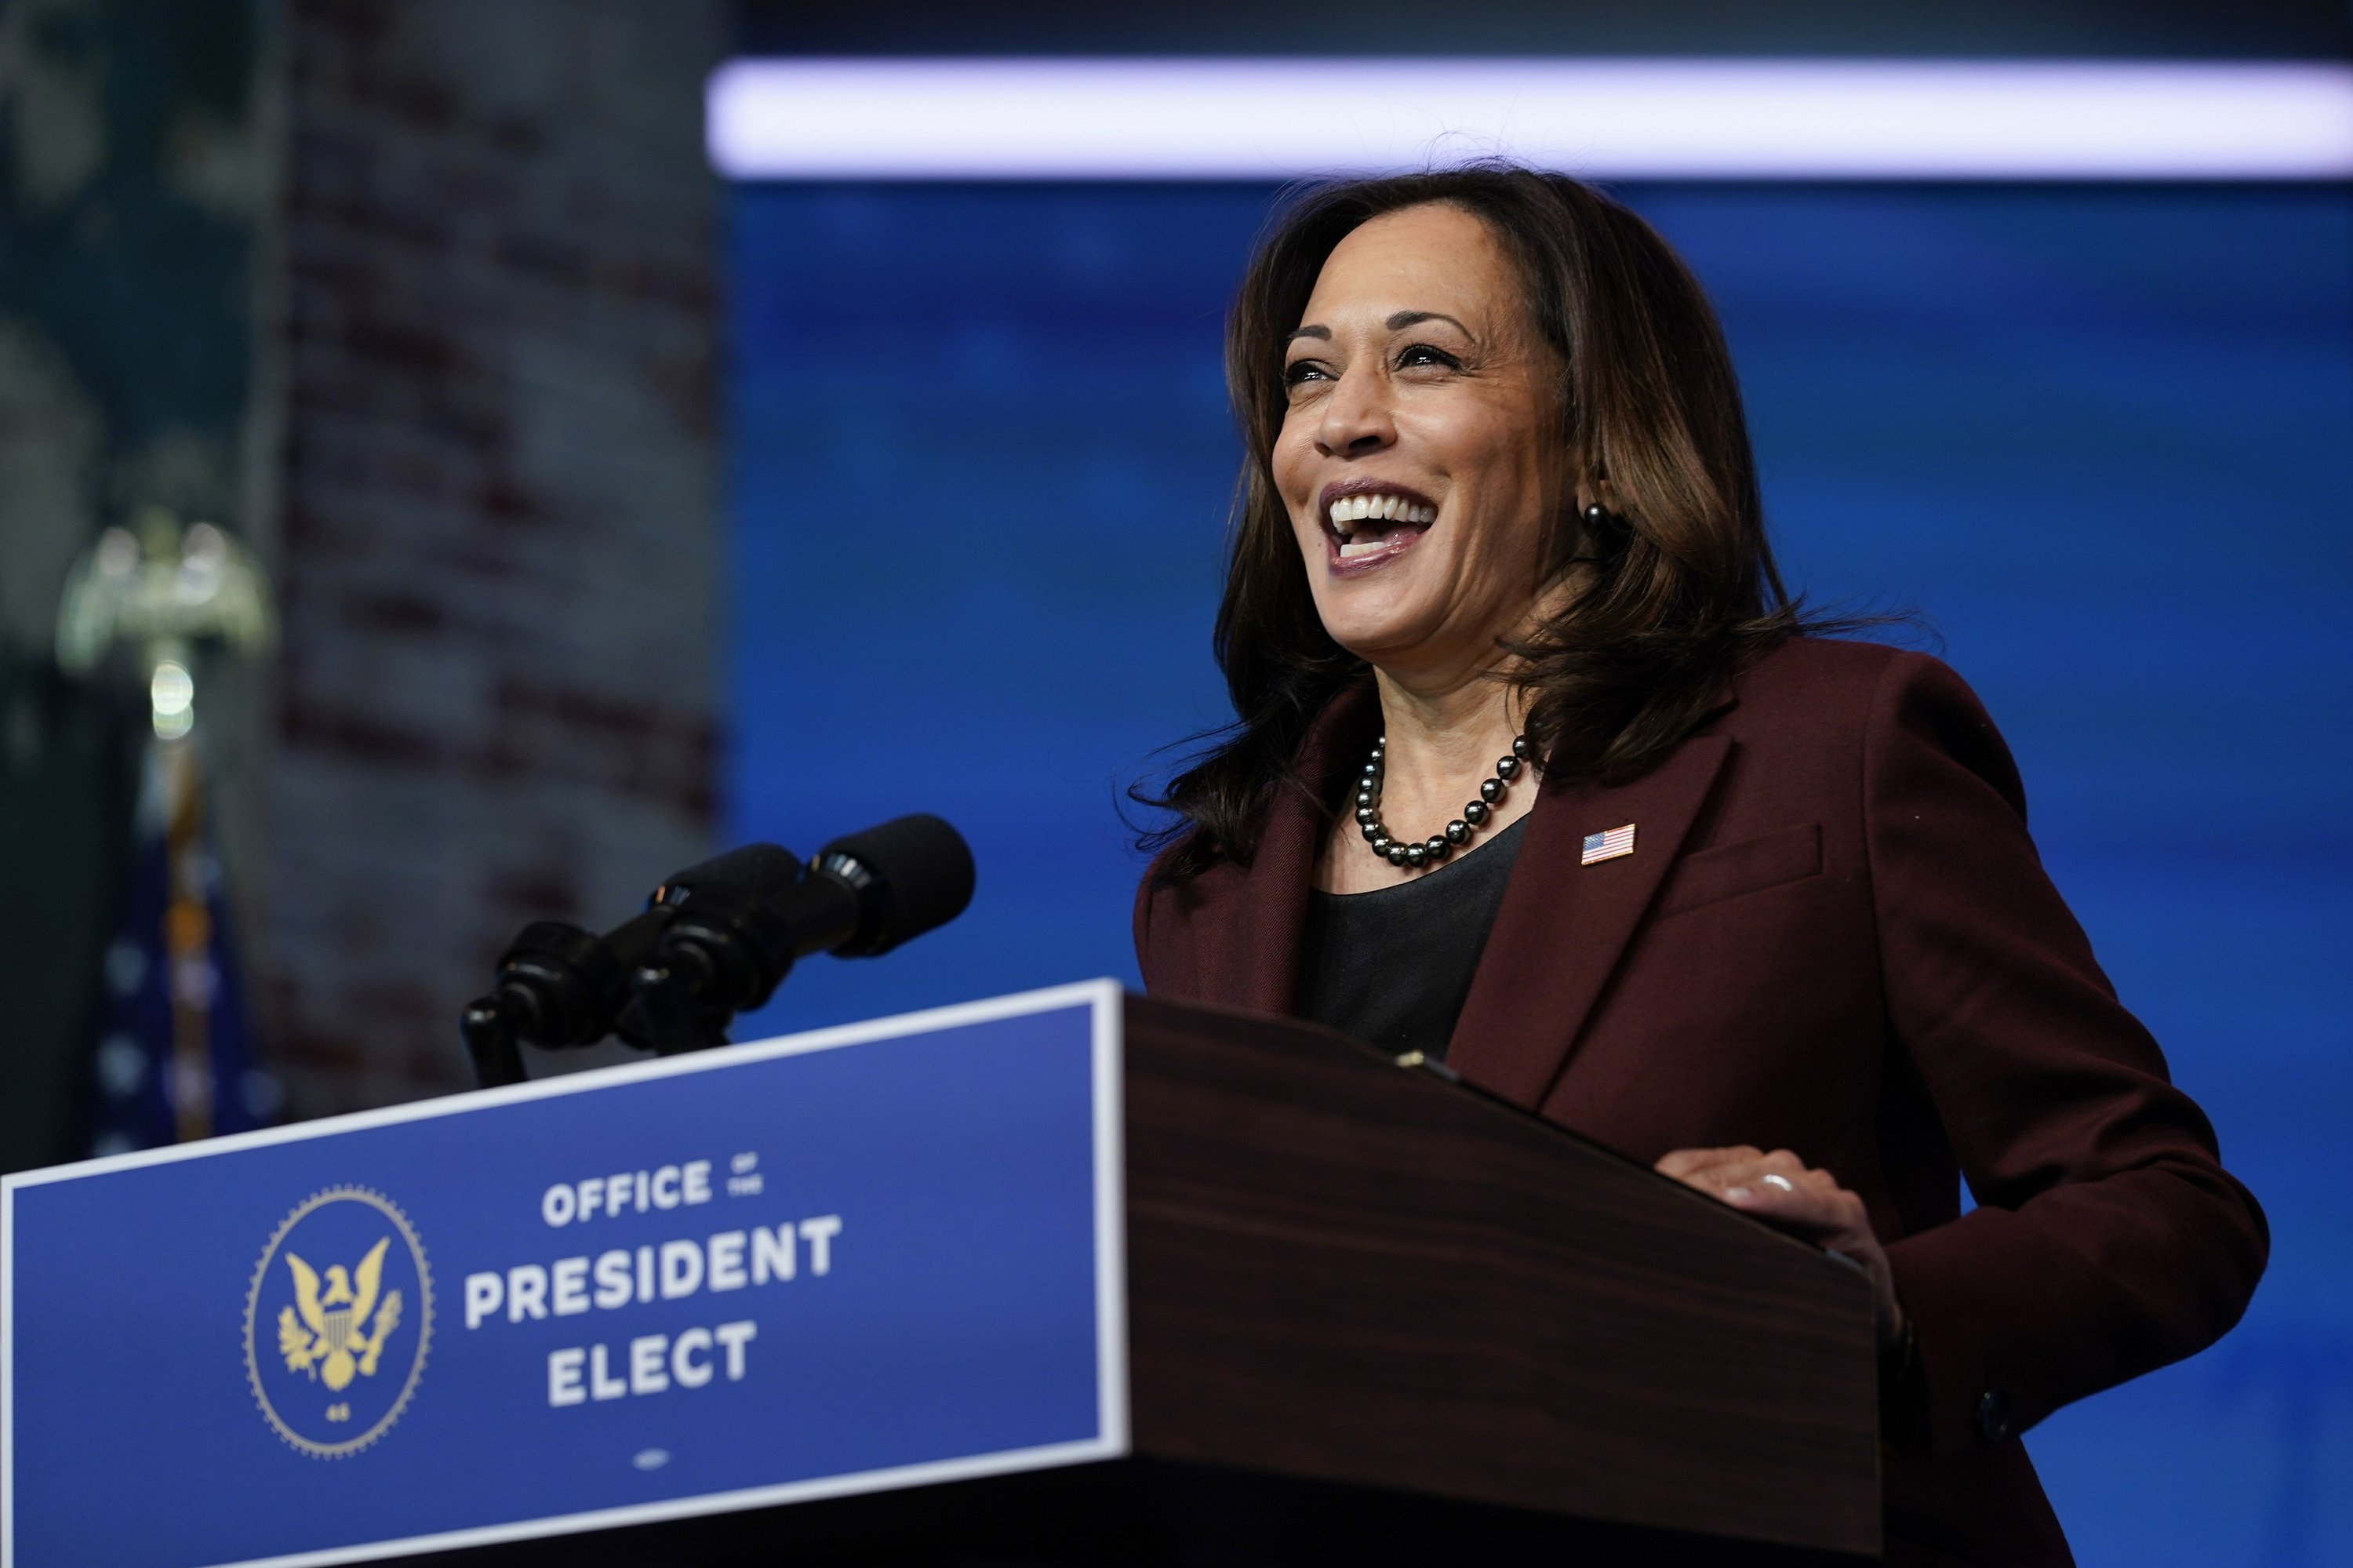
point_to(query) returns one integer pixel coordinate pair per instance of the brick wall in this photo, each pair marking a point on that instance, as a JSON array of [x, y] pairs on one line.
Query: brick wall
[[499, 537]]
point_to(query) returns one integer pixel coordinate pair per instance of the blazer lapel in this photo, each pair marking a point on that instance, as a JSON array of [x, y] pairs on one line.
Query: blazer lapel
[[1274, 907], [1562, 926]]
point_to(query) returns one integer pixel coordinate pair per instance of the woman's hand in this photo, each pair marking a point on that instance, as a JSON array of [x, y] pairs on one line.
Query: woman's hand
[[1780, 1188]]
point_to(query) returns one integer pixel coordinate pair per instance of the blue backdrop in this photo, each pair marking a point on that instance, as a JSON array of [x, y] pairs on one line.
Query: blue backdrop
[[2102, 438]]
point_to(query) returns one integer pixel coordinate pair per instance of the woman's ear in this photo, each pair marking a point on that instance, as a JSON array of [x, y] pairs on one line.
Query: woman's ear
[[1595, 490], [1601, 530]]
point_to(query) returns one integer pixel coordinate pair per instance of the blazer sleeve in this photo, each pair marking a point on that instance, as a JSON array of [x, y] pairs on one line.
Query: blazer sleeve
[[1163, 955], [2108, 1239], [1148, 951]]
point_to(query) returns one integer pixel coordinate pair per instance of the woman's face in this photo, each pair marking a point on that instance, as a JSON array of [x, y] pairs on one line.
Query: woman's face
[[1415, 451]]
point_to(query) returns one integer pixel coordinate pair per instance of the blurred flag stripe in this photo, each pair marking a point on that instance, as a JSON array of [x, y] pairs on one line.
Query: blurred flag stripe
[[812, 119]]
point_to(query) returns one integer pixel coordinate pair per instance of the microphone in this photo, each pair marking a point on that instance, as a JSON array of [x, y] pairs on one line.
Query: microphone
[[559, 987], [910, 875], [738, 925], [713, 939]]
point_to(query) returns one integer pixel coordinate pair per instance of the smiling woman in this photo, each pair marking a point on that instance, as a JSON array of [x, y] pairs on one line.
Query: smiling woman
[[1528, 364], [1537, 768]]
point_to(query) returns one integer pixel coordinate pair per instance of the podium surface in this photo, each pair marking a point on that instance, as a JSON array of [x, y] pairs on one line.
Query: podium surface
[[1068, 1256]]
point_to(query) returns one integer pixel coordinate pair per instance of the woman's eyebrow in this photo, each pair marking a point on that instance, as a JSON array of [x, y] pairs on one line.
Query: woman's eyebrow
[[1405, 319], [1397, 322]]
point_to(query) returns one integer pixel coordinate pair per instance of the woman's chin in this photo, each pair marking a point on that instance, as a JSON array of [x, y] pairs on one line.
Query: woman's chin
[[1382, 605], [1381, 628]]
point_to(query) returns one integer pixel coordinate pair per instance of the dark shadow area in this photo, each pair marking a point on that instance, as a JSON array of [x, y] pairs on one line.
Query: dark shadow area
[[1136, 1514]]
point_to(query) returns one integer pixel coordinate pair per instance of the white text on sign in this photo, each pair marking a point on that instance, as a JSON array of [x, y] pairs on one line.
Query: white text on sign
[[667, 1271]]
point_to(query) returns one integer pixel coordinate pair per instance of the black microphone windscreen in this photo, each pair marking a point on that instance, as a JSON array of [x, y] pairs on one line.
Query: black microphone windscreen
[[918, 874]]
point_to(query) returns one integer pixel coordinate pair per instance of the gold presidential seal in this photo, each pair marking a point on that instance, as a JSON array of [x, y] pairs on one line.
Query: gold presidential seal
[[337, 1320]]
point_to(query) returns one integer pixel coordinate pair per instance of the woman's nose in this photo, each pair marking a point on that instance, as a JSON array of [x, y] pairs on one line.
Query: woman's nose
[[1356, 417]]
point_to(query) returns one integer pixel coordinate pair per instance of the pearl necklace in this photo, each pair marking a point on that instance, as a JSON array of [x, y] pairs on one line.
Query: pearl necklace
[[1458, 832]]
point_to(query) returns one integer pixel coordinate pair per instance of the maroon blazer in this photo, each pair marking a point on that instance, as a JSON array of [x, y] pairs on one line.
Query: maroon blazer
[[1834, 937]]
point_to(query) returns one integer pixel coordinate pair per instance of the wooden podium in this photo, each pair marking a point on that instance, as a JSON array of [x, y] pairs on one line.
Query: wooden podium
[[1376, 1315]]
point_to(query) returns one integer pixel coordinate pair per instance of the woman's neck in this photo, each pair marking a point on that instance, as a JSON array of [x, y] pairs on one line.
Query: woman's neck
[[1443, 741]]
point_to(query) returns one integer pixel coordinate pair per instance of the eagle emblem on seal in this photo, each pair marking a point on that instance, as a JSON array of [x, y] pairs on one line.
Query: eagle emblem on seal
[[337, 1333]]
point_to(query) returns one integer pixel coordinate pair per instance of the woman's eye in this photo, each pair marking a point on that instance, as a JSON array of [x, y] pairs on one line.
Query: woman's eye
[[1423, 354], [1303, 370]]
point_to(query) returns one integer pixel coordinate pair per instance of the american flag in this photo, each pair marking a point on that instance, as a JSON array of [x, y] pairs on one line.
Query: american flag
[[173, 1059], [1608, 846]]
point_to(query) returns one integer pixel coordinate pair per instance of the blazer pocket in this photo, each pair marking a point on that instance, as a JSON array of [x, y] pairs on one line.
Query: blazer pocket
[[1750, 865]]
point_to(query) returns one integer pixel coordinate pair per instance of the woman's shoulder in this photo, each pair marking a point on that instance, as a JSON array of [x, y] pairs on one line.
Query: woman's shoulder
[[1830, 678], [1828, 671], [1835, 694]]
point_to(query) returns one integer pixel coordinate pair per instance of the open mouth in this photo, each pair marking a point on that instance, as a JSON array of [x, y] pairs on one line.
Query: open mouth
[[1370, 522]]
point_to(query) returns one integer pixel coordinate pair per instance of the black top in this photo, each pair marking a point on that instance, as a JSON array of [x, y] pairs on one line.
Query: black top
[[1393, 966]]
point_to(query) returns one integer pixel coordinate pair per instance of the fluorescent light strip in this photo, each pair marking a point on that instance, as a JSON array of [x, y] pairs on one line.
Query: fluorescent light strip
[[985, 119]]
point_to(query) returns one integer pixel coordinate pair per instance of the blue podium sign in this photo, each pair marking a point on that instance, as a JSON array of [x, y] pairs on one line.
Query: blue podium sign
[[861, 1259]]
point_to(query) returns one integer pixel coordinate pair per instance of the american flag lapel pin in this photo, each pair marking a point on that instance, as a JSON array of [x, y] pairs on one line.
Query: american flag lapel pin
[[1608, 845]]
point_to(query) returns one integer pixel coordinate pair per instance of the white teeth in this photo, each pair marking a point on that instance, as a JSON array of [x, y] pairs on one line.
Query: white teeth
[[1350, 552], [1380, 508]]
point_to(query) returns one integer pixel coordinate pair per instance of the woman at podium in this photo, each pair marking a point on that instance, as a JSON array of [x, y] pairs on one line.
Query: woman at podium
[[1538, 770]]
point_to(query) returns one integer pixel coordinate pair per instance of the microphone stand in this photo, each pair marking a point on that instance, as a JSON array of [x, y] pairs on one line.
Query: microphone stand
[[558, 986], [492, 1026]]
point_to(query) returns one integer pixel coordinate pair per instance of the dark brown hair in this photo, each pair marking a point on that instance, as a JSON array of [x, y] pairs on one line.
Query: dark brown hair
[[1678, 584]]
